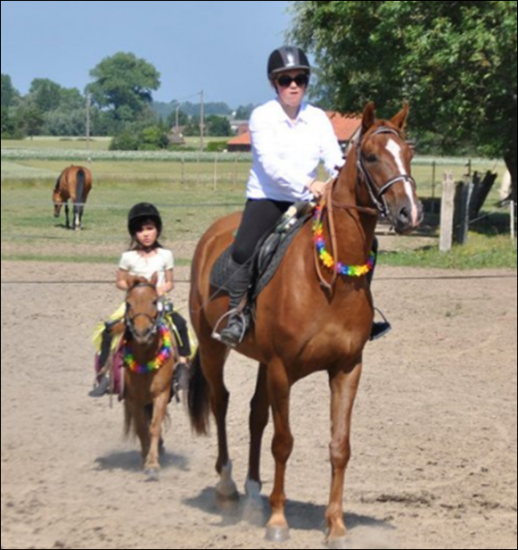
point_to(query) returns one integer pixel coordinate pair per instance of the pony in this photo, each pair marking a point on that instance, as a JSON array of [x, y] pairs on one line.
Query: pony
[[323, 324], [149, 355], [75, 183]]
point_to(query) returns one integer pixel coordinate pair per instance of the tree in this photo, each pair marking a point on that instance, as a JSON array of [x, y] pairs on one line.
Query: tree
[[45, 94], [454, 61], [218, 126], [243, 112], [124, 85], [9, 93]]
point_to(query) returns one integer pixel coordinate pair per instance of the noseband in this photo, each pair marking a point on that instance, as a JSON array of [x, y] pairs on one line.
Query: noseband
[[377, 194], [155, 321]]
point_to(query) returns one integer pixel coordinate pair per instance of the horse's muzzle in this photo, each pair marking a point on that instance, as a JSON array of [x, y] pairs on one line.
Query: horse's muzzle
[[408, 218]]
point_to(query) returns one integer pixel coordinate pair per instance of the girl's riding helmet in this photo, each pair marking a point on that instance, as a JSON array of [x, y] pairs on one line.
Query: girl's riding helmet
[[141, 212]]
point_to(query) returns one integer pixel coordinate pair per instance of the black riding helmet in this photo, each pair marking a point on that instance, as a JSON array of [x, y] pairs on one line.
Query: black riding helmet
[[141, 212], [287, 58]]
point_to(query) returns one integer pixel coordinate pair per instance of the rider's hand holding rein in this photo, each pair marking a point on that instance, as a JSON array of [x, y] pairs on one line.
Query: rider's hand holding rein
[[318, 188]]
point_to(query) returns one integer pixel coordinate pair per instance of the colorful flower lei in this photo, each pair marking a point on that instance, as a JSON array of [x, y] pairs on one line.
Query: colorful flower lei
[[163, 355], [328, 260]]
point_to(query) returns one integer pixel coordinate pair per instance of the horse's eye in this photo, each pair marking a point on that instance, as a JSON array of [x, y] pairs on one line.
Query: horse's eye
[[371, 158], [128, 306]]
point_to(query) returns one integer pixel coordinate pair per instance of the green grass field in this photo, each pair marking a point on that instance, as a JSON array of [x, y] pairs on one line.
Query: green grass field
[[190, 195]]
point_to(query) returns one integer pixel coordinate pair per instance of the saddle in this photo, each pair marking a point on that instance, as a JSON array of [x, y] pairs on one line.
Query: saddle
[[267, 256]]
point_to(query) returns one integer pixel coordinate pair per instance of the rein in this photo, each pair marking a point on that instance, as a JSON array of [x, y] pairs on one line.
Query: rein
[[377, 197]]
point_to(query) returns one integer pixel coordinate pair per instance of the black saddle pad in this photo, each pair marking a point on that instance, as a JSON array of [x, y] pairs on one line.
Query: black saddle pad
[[268, 256]]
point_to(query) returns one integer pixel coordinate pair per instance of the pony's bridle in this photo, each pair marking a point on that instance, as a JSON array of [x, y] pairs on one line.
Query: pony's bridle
[[130, 321], [377, 194]]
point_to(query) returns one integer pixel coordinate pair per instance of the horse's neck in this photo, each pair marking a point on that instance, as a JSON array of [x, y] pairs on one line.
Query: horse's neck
[[144, 353], [354, 229]]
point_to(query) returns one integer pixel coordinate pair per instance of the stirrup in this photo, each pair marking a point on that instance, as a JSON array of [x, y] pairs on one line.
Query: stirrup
[[380, 329], [217, 335]]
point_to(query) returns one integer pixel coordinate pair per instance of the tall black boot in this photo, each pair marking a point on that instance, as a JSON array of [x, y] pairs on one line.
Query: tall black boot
[[103, 383], [233, 333], [379, 329]]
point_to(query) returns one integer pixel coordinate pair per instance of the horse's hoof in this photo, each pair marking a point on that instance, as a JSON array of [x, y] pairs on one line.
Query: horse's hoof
[[277, 534], [337, 543], [152, 474], [230, 498]]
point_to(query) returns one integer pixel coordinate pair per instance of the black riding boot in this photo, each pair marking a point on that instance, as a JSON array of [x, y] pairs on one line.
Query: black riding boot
[[103, 384], [236, 327], [379, 329]]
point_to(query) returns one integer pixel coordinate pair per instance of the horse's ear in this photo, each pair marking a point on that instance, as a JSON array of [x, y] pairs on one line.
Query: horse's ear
[[154, 279], [131, 281], [369, 116], [399, 120]]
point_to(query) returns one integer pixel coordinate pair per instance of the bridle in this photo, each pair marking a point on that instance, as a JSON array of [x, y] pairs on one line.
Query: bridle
[[377, 194], [130, 320]]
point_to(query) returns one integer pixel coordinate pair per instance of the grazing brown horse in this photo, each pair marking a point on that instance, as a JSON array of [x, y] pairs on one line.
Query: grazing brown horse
[[149, 357], [305, 322], [73, 183]]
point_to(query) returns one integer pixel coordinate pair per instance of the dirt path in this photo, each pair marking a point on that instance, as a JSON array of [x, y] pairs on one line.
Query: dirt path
[[434, 440]]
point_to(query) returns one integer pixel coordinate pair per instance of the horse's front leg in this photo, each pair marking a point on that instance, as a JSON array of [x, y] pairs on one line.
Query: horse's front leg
[[279, 387], [344, 385], [151, 464]]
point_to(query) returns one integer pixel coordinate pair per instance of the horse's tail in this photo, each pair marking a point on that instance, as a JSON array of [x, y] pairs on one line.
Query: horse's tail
[[80, 186], [198, 400]]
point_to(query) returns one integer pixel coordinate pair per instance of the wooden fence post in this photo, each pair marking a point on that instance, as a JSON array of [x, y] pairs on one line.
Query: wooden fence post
[[447, 209]]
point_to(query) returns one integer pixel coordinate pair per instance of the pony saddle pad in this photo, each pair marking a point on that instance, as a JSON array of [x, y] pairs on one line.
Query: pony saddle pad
[[268, 254]]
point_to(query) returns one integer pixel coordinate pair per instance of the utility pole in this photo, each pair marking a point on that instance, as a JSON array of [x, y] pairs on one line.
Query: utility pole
[[202, 123], [88, 126]]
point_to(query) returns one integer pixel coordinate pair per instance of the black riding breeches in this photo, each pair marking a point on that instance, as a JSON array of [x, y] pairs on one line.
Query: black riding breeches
[[184, 347], [259, 218]]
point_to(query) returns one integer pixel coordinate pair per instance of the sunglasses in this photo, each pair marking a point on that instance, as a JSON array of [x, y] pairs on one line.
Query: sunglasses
[[301, 80]]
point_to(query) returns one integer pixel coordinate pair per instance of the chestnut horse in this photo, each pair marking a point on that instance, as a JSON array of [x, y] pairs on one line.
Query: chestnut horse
[[73, 183], [149, 357], [305, 322]]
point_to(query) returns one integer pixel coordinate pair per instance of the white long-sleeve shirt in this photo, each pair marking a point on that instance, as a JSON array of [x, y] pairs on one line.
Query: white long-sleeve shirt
[[146, 266], [286, 154]]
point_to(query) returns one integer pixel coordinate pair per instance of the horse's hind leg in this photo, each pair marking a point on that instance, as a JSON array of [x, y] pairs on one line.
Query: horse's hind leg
[[259, 408], [213, 356], [67, 216], [258, 422]]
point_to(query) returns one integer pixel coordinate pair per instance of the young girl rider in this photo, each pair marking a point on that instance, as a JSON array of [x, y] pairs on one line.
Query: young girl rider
[[145, 257]]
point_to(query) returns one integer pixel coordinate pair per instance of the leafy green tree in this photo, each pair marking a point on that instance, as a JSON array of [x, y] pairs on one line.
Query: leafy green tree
[[30, 118], [454, 61], [9, 93], [45, 94], [123, 84], [243, 112], [218, 126]]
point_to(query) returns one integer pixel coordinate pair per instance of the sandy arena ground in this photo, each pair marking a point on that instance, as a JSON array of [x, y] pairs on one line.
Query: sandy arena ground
[[434, 439]]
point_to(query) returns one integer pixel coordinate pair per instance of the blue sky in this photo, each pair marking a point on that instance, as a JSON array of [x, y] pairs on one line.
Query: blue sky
[[218, 47]]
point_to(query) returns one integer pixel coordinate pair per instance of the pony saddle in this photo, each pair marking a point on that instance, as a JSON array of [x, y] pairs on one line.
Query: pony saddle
[[268, 253]]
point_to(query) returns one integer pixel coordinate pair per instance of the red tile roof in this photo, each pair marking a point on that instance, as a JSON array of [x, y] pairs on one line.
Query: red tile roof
[[343, 125]]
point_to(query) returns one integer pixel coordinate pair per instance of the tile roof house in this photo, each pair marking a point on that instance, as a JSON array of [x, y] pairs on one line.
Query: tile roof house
[[343, 125]]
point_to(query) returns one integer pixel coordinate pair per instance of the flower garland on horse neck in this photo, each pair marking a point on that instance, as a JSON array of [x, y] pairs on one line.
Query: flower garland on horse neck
[[163, 355], [328, 260]]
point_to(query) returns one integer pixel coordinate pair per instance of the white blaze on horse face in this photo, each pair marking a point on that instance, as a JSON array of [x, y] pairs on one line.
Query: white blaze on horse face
[[394, 148]]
